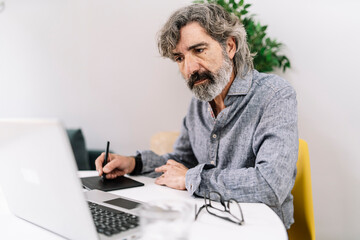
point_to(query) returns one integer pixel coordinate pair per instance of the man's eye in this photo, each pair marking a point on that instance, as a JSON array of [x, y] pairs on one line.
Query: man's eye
[[178, 59], [199, 50]]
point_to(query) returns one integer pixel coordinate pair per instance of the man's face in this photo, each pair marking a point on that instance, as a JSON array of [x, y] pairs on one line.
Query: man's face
[[202, 62]]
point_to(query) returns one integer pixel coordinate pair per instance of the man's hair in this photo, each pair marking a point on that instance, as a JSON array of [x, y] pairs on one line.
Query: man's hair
[[218, 23]]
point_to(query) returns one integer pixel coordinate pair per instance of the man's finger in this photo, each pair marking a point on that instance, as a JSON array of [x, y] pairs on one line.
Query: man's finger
[[162, 168], [115, 174], [98, 163], [160, 180], [171, 162], [110, 166]]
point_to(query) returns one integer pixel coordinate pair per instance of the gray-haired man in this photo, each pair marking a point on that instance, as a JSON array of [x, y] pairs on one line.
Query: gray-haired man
[[239, 137]]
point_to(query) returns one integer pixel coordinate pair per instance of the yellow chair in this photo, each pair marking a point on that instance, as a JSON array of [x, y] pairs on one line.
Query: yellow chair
[[304, 226]]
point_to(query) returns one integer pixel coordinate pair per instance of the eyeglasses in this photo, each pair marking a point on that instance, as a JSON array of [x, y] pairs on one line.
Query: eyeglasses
[[225, 212]]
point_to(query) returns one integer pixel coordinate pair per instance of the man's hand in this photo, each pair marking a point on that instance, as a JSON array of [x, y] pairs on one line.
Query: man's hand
[[173, 175], [116, 166]]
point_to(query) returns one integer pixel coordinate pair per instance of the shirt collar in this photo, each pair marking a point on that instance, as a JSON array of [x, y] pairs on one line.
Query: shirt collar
[[241, 86]]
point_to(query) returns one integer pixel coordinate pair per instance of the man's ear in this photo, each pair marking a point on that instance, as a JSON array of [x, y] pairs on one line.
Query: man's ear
[[231, 47]]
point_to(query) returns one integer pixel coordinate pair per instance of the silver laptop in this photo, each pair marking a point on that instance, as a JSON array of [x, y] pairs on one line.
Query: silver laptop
[[40, 183]]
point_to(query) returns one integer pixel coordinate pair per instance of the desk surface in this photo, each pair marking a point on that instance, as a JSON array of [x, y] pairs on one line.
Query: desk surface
[[260, 221]]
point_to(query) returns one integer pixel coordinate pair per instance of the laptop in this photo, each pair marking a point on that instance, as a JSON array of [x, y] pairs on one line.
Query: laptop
[[40, 183]]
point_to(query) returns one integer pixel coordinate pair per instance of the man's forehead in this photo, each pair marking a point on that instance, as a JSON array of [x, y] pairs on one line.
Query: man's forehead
[[192, 34]]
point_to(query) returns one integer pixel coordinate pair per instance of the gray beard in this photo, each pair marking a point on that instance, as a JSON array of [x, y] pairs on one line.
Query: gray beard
[[208, 90]]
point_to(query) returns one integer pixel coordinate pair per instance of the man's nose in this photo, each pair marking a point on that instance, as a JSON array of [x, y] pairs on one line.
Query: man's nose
[[191, 66]]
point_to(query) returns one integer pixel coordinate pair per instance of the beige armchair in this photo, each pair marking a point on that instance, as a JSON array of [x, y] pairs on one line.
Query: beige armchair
[[163, 142]]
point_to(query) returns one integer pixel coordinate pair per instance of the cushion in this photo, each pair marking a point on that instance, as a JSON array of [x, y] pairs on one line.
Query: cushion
[[79, 148]]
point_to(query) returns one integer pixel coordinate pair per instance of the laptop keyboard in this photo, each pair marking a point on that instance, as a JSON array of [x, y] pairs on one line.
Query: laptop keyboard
[[110, 221]]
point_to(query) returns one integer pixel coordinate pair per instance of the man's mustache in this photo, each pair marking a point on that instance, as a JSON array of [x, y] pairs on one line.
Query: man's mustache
[[195, 77]]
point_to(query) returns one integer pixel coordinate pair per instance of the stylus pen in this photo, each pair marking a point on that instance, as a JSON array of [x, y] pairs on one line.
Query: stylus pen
[[106, 158]]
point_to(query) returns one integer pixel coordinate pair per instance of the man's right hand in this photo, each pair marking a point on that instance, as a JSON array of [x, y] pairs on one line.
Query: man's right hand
[[116, 166]]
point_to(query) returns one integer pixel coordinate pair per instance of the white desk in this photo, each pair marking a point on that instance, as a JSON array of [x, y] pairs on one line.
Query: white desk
[[260, 221]]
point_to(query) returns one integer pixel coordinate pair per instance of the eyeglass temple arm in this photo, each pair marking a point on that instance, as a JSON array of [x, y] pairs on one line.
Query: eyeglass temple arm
[[238, 205], [197, 212]]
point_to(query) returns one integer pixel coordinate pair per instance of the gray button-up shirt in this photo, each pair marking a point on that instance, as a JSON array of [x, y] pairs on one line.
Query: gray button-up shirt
[[248, 152]]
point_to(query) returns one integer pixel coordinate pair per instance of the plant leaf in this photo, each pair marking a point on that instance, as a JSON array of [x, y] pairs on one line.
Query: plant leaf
[[267, 50]]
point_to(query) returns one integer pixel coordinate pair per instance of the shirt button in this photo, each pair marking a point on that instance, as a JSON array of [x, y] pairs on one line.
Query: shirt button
[[214, 136], [212, 162]]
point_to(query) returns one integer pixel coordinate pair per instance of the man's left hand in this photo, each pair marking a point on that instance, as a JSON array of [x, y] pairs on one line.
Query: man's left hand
[[173, 175]]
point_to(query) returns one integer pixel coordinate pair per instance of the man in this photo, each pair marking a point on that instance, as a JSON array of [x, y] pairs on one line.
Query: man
[[239, 137]]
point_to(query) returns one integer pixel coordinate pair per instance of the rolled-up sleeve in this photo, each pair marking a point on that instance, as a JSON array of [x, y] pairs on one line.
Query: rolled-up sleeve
[[182, 153]]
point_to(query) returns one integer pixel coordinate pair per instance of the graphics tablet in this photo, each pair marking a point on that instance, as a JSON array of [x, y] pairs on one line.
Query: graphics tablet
[[109, 184]]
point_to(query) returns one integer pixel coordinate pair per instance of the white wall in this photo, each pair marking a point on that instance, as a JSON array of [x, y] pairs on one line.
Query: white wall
[[95, 65], [322, 40]]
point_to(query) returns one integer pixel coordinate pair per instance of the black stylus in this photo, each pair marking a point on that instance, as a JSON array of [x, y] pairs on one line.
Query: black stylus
[[106, 158]]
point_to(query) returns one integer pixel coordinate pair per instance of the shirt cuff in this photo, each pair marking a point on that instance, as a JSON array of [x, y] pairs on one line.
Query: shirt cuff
[[193, 178], [138, 165], [151, 161]]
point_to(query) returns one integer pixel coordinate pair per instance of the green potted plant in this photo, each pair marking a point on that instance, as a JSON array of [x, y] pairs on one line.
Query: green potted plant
[[267, 50]]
